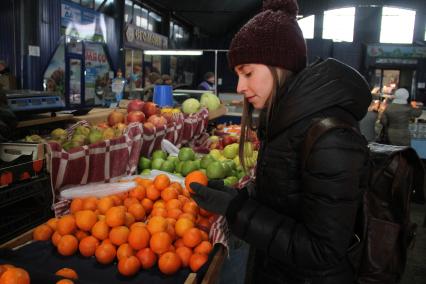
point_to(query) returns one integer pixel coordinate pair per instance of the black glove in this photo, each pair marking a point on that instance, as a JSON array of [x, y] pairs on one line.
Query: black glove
[[218, 198]]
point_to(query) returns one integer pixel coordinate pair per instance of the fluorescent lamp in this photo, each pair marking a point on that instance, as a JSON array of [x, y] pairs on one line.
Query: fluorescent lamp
[[173, 52]]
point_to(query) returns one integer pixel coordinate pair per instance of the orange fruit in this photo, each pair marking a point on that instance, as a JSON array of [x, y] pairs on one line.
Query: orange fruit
[[104, 204], [195, 176], [147, 205], [56, 237], [100, 230], [139, 238], [204, 247], [87, 246], [66, 225], [76, 205], [204, 224], [185, 254], [179, 243], [169, 263], [65, 281], [145, 182], [137, 211], [152, 193], [174, 213], [119, 235], [171, 221], [197, 260], [146, 257], [137, 224], [116, 200], [205, 213], [52, 223], [183, 199], [204, 235], [129, 266], [188, 216], [161, 181], [67, 245], [124, 251], [138, 192], [169, 193], [15, 275], [177, 186], [90, 203], [105, 253], [171, 231], [160, 242], [182, 225], [157, 224], [192, 237], [129, 201], [85, 219], [80, 235], [106, 241], [129, 220], [191, 207], [186, 193], [138, 180], [159, 212], [159, 204], [67, 273], [115, 216], [42, 233], [173, 204]]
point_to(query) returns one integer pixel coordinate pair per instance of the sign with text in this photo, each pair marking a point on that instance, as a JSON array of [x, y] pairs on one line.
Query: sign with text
[[395, 51], [141, 38]]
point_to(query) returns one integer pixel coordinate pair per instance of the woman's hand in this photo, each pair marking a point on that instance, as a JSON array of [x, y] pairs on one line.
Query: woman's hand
[[216, 197]]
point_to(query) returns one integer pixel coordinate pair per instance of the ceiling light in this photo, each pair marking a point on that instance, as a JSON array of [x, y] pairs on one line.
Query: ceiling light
[[173, 52]]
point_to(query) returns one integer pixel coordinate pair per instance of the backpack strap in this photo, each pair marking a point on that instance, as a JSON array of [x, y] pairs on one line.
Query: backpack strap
[[318, 129]]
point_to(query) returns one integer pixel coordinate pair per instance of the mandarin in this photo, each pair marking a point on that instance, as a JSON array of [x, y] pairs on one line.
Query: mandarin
[[159, 212], [177, 186], [179, 243], [105, 203], [138, 211], [80, 235], [90, 203], [147, 258], [88, 245], [52, 223], [139, 237], [124, 251], [169, 193], [195, 176], [42, 233], [204, 247], [129, 220], [169, 263], [76, 205], [67, 245], [173, 204], [204, 236], [100, 230], [160, 242], [157, 224], [15, 275], [129, 201], [197, 260], [115, 216], [192, 237], [85, 219], [129, 266], [182, 225], [191, 207], [66, 225], [119, 235], [147, 205], [65, 281], [56, 237], [161, 181], [152, 193], [105, 253], [138, 192], [67, 273], [185, 254]]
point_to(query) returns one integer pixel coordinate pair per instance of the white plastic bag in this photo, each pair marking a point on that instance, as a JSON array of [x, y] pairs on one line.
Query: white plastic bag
[[154, 173], [97, 189], [169, 148]]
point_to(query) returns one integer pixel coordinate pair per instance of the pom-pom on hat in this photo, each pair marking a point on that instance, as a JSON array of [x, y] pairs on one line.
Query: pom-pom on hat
[[272, 37]]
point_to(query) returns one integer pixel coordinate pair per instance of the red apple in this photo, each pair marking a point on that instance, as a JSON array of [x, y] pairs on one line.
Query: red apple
[[168, 116], [103, 125], [135, 116], [135, 105], [157, 120], [115, 117], [228, 139], [149, 109], [148, 126]]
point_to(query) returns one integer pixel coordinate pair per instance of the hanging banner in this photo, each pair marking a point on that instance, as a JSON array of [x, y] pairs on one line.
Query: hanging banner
[[395, 51], [82, 23], [144, 39]]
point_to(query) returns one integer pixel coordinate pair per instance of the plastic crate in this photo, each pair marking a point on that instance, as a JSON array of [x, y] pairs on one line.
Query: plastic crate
[[30, 207]]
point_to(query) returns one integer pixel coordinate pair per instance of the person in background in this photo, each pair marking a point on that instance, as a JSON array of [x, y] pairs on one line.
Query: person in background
[[396, 118], [299, 219], [367, 125], [153, 79], [208, 82], [167, 80], [7, 80]]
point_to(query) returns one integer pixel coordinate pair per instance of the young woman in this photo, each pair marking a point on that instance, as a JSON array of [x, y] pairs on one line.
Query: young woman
[[299, 220]]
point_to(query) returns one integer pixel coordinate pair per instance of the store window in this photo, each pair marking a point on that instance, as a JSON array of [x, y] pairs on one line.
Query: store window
[[154, 22], [128, 11], [339, 24], [397, 25], [307, 25]]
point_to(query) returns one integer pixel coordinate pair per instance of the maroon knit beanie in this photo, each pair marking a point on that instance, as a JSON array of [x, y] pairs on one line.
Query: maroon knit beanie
[[272, 37]]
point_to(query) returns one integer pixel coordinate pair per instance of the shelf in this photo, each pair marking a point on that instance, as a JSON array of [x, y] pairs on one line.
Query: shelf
[[44, 118]]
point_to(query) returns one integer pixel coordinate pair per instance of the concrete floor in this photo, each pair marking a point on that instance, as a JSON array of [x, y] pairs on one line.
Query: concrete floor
[[415, 272]]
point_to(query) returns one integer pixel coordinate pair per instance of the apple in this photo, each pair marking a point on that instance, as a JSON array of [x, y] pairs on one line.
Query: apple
[[135, 105], [135, 116], [157, 120], [168, 116], [149, 126], [229, 139], [103, 125], [149, 108], [115, 117]]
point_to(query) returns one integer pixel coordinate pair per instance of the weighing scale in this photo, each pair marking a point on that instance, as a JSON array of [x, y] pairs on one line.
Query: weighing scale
[[25, 101]]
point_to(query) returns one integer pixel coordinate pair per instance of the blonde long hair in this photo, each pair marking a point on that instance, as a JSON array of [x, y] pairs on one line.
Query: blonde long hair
[[279, 76]]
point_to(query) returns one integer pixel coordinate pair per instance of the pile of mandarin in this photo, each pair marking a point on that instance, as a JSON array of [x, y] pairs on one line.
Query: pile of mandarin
[[156, 222]]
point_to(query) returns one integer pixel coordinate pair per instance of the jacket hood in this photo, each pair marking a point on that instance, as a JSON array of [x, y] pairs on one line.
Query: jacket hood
[[320, 86]]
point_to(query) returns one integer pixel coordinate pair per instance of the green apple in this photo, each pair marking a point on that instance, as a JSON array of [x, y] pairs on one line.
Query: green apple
[[146, 172], [215, 153], [157, 163], [230, 181], [186, 154], [144, 163], [168, 166], [230, 151], [159, 154], [216, 171], [206, 160], [187, 167]]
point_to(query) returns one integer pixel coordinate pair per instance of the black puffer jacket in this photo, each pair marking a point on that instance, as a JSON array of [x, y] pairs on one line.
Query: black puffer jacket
[[301, 221]]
